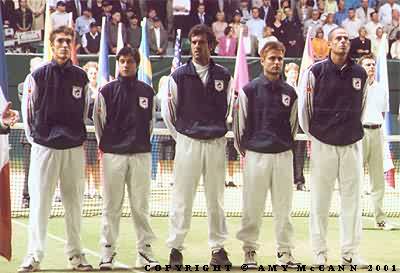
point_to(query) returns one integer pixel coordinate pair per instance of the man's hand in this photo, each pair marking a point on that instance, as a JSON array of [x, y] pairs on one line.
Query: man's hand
[[9, 117]]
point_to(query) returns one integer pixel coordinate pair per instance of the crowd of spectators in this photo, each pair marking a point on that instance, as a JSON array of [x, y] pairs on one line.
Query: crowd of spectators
[[368, 22]]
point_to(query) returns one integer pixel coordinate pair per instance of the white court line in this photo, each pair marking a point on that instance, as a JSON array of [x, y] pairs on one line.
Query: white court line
[[85, 250]]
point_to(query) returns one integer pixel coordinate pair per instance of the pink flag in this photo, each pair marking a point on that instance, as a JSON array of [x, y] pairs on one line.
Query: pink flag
[[241, 76]]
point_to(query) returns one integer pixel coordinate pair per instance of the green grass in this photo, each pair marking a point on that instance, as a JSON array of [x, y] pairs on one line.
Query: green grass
[[378, 247]]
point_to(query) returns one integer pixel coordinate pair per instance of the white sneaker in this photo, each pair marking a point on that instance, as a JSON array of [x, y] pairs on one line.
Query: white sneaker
[[320, 259], [250, 259], [354, 260], [30, 264], [145, 257], [107, 262], [286, 258], [79, 263], [384, 226]]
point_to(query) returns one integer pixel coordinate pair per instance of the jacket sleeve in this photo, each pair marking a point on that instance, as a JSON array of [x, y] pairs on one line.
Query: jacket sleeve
[[169, 103], [99, 116], [240, 111], [294, 119], [305, 100], [29, 97]]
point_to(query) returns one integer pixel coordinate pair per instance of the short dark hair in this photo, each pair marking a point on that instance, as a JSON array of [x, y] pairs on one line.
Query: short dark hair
[[129, 51], [202, 29], [273, 45], [330, 34], [227, 30], [63, 29], [60, 3], [366, 57]]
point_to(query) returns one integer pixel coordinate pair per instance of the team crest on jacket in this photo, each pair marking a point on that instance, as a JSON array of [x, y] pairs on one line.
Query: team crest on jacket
[[144, 102], [77, 92], [286, 100], [357, 83], [219, 85]]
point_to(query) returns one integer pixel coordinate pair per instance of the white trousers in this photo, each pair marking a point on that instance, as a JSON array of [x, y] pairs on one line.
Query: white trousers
[[134, 171], [48, 166], [373, 157], [194, 158], [265, 173], [329, 163]]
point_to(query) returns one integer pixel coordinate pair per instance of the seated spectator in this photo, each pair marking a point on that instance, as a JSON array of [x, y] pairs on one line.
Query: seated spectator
[[250, 42], [76, 7], [53, 4], [395, 48], [227, 44], [256, 24], [244, 10], [277, 27], [158, 38], [372, 25], [107, 12], [314, 23], [38, 8], [352, 24], [267, 37], [303, 11], [134, 32], [151, 14], [392, 28], [293, 40], [341, 14], [97, 10], [331, 6], [329, 25], [82, 24], [361, 45], [236, 23], [200, 17], [320, 46], [378, 40], [112, 32], [219, 25], [284, 5], [91, 40], [60, 17], [23, 17], [363, 13], [268, 11], [321, 6], [385, 12]]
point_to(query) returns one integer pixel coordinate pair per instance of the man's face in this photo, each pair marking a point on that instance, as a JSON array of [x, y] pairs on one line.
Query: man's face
[[351, 14], [255, 13], [244, 5], [267, 3], [152, 13], [134, 21], [22, 3], [364, 3], [116, 17], [107, 8], [87, 14], [157, 24], [201, 9], [315, 15], [61, 8], [375, 18], [340, 43], [127, 66], [200, 49], [288, 12], [272, 62], [61, 47], [369, 66], [330, 18], [93, 29], [395, 15], [341, 4]]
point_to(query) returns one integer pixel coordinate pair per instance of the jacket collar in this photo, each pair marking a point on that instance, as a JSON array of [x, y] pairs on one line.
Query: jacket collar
[[348, 64], [66, 65], [127, 80], [192, 70], [265, 81]]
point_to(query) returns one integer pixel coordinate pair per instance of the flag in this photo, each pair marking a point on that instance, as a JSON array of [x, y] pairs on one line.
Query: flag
[[144, 70], [177, 60], [5, 201], [241, 74], [308, 54], [120, 45], [103, 75], [382, 77], [74, 53], [47, 30]]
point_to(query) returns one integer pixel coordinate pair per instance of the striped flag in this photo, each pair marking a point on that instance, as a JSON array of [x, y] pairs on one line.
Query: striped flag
[[120, 45], [103, 76], [177, 60], [47, 30], [5, 201], [144, 70], [382, 77]]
